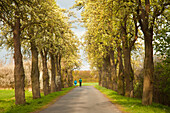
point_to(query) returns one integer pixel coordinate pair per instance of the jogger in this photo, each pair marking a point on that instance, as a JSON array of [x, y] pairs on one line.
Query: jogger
[[80, 81]]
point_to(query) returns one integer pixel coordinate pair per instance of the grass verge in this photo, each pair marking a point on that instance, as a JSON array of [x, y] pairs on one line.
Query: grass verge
[[132, 105], [7, 102], [89, 84]]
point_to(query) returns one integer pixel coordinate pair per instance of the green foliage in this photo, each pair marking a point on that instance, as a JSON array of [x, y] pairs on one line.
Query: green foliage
[[111, 24], [7, 102], [162, 36], [45, 24], [104, 21], [132, 105], [162, 82]]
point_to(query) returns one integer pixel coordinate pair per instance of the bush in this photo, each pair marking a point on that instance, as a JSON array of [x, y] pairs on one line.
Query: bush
[[7, 75], [162, 82]]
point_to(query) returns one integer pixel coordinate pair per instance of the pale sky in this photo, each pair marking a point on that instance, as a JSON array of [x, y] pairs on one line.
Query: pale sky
[[79, 32]]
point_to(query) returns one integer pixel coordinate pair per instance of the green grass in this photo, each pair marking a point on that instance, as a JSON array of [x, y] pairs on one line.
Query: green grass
[[132, 105], [7, 102], [88, 84]]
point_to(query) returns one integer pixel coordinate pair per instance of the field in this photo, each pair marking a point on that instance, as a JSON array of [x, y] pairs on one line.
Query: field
[[88, 84], [86, 76]]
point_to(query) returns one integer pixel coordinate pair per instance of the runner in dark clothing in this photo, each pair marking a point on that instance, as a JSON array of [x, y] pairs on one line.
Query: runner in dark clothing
[[80, 81]]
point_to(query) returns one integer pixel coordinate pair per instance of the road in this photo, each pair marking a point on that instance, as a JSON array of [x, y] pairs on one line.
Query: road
[[85, 99]]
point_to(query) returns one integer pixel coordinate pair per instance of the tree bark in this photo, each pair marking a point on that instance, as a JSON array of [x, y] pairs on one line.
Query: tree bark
[[71, 79], [113, 70], [129, 75], [121, 85], [66, 78], [148, 70], [53, 74], [107, 72], [61, 77], [58, 73], [35, 72], [69, 72], [147, 29], [45, 73], [104, 75], [19, 75], [100, 76]]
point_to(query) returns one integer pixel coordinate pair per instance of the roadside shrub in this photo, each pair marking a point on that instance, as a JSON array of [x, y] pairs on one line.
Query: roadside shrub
[[162, 82], [7, 75]]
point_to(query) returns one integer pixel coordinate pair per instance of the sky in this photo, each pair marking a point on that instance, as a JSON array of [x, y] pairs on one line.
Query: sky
[[5, 56], [79, 31]]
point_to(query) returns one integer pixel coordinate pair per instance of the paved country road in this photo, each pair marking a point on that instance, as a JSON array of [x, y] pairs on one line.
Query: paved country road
[[85, 99]]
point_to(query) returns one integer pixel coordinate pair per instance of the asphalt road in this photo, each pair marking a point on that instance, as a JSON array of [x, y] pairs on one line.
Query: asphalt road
[[85, 99]]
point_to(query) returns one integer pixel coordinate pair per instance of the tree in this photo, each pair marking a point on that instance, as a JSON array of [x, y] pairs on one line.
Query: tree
[[147, 13], [108, 21], [121, 85], [13, 16]]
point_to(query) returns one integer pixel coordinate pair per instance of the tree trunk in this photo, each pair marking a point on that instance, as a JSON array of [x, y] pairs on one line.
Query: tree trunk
[[113, 71], [66, 78], [35, 72], [100, 76], [53, 74], [71, 79], [147, 28], [19, 75], [58, 73], [107, 72], [109, 75], [148, 70], [103, 75], [45, 73], [61, 77], [129, 75], [121, 85]]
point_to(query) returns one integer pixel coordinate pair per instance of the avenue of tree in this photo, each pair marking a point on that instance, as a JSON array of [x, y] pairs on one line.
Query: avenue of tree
[[113, 28], [41, 28]]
